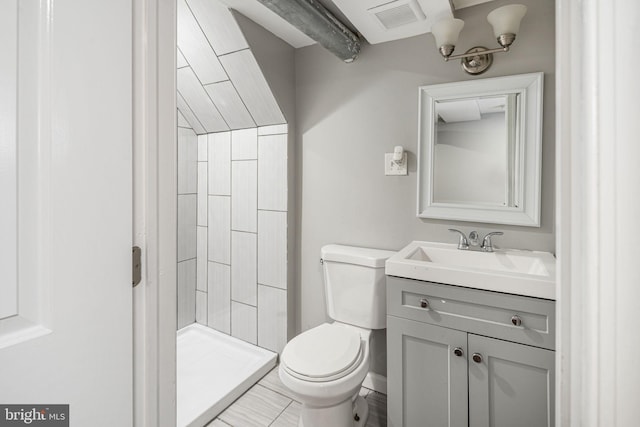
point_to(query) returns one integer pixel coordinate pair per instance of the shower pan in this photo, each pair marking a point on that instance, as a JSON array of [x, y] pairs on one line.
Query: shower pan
[[213, 370]]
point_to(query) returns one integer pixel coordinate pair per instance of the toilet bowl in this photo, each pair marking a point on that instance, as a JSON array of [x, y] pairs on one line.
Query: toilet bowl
[[324, 367]]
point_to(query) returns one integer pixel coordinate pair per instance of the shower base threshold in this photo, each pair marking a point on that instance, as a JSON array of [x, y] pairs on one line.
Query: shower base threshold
[[213, 370]]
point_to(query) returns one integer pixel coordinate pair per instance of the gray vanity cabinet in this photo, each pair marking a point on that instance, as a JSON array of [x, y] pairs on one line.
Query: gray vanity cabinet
[[461, 357], [426, 382], [513, 385]]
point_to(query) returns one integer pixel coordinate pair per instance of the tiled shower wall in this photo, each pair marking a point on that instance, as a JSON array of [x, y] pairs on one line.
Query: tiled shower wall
[[232, 233], [187, 203]]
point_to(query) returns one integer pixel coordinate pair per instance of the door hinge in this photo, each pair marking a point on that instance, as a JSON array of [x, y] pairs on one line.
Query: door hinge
[[136, 265]]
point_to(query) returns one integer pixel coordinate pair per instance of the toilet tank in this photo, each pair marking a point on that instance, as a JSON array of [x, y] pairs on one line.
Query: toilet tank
[[355, 285]]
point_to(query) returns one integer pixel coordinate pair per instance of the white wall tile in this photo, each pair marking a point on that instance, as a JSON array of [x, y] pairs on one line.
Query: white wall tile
[[202, 259], [272, 172], [243, 322], [219, 227], [187, 161], [198, 100], [186, 227], [273, 130], [244, 195], [182, 122], [201, 307], [219, 26], [202, 193], [272, 248], [196, 48], [219, 297], [272, 318], [186, 293], [228, 102], [191, 118], [220, 163], [244, 72], [244, 144], [180, 60], [244, 267], [203, 148]]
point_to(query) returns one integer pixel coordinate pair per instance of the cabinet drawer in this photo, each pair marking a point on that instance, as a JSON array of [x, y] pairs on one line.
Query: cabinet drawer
[[482, 312]]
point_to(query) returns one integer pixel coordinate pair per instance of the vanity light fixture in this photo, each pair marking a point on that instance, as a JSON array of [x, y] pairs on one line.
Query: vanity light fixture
[[506, 23]]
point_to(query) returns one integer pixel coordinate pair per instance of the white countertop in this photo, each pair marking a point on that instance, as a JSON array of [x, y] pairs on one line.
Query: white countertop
[[512, 271]]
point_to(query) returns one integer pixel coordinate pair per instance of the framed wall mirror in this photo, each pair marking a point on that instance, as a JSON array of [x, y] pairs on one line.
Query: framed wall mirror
[[479, 150]]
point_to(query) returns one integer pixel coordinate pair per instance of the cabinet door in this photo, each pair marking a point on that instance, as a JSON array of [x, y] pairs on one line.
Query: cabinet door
[[512, 386], [427, 382]]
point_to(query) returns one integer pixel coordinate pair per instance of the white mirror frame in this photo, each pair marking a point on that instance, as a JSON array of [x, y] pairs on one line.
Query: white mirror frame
[[529, 116]]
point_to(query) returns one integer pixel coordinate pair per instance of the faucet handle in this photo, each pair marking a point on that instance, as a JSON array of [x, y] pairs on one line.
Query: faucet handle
[[486, 242], [463, 243]]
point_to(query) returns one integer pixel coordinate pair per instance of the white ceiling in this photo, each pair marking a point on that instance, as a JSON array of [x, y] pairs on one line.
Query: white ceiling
[[260, 14], [460, 4]]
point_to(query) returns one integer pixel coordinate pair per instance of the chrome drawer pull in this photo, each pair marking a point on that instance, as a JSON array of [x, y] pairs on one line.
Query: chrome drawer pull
[[516, 320], [424, 303]]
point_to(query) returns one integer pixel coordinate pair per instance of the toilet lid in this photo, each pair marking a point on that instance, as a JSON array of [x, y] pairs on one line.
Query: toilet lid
[[322, 352]]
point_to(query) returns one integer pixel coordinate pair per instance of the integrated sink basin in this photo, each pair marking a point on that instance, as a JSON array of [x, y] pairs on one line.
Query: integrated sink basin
[[515, 262], [511, 271]]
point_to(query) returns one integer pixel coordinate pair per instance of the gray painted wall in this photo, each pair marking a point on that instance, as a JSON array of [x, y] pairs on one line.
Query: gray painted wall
[[349, 115]]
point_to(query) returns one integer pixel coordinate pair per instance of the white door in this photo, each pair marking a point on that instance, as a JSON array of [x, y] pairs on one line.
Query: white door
[[65, 208]]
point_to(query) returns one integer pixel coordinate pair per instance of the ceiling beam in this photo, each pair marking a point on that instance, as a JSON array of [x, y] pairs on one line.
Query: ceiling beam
[[313, 19]]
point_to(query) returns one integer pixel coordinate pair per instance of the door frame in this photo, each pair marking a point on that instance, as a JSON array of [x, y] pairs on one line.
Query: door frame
[[596, 212], [587, 34], [155, 211]]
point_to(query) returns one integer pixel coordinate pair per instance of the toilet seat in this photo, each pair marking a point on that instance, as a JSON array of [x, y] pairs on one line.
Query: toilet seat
[[325, 353]]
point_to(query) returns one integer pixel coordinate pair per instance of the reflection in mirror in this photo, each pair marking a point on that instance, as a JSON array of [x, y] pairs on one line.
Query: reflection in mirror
[[480, 150], [475, 134]]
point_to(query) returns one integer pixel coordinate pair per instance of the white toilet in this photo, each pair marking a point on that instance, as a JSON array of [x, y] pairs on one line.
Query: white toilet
[[325, 366]]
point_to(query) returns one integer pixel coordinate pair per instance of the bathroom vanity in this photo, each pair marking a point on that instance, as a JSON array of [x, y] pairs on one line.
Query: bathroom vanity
[[470, 351]]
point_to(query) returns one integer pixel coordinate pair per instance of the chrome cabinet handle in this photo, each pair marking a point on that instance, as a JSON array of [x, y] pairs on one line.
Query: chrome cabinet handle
[[424, 303], [516, 320], [477, 357], [458, 351]]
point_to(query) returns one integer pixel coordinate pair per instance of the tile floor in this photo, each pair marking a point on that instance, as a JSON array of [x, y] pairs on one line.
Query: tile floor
[[269, 403]]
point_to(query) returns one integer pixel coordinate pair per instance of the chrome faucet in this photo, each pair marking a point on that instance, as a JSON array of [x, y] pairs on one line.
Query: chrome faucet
[[473, 238], [464, 243]]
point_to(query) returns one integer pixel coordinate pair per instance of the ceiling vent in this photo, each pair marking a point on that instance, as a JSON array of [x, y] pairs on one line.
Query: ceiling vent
[[381, 21], [398, 13]]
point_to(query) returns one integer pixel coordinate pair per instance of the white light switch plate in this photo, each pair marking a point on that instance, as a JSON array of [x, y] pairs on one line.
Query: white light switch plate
[[393, 168]]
